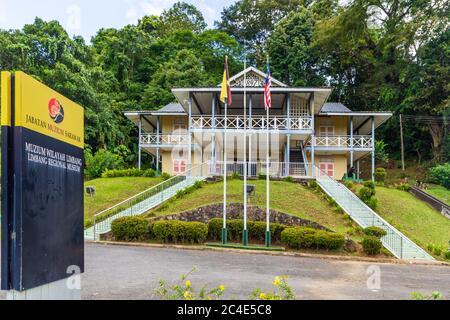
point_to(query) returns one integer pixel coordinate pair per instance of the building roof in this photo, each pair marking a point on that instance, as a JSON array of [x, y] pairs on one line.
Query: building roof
[[170, 109], [334, 107]]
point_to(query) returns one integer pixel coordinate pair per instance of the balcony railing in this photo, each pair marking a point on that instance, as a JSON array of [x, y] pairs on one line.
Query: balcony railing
[[344, 142], [276, 169], [254, 123], [164, 139]]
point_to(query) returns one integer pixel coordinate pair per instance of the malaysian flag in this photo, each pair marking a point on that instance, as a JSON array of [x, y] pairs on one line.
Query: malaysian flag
[[267, 95]]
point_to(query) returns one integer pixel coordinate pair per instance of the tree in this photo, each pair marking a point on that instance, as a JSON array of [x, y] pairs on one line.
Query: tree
[[182, 16]]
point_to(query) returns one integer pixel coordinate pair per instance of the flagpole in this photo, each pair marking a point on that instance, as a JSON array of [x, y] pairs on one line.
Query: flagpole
[[226, 101], [268, 240], [245, 231]]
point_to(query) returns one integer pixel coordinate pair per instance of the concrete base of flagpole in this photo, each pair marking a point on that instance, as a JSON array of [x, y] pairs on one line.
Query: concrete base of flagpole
[[224, 236], [245, 237], [268, 239]]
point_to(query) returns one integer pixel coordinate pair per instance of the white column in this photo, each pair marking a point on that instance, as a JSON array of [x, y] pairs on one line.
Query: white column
[[139, 143], [313, 139], [288, 149], [351, 142], [190, 134], [158, 141], [373, 148], [213, 122]]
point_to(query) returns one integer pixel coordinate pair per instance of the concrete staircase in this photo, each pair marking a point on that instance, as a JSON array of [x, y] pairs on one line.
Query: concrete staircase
[[139, 204], [394, 241]]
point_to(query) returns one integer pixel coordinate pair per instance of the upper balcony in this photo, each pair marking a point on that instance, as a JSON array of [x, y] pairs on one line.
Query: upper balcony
[[300, 125], [164, 140], [357, 142]]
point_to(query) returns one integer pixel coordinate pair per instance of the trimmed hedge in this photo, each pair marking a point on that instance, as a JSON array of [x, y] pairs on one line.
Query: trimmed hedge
[[256, 230], [130, 228], [375, 231], [371, 245], [301, 237], [179, 231], [133, 172]]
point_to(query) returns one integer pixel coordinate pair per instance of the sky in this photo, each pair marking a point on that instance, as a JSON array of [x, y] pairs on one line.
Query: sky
[[86, 17]]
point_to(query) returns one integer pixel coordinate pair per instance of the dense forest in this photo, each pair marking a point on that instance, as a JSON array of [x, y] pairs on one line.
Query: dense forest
[[377, 54]]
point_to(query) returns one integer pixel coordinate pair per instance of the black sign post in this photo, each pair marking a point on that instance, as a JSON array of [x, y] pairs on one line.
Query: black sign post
[[42, 190]]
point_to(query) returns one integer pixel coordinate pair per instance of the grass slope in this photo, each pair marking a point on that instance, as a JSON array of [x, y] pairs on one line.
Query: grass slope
[[413, 217], [286, 197], [110, 191], [440, 193]]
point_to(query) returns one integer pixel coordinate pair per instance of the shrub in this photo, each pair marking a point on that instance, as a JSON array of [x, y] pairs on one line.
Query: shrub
[[380, 175], [371, 245], [99, 162], [165, 176], [437, 251], [313, 185], [235, 176], [375, 232], [301, 237], [365, 194], [88, 223], [289, 179], [370, 185], [349, 184], [328, 240], [447, 255], [130, 228], [404, 187], [441, 175], [215, 227], [180, 231], [262, 176], [430, 247], [133, 172], [372, 203]]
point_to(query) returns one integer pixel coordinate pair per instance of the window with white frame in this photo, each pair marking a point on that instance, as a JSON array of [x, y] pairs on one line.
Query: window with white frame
[[326, 131]]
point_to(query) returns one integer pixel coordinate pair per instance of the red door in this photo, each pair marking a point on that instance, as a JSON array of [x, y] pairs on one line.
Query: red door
[[326, 168], [179, 166]]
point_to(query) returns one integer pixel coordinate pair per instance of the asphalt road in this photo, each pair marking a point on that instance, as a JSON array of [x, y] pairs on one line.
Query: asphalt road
[[122, 272]]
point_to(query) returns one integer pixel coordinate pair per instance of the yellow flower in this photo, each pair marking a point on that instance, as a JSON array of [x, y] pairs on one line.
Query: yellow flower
[[263, 296], [222, 287], [188, 284], [277, 281], [187, 295]]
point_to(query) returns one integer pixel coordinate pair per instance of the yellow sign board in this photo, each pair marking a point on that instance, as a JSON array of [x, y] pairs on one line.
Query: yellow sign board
[[41, 109]]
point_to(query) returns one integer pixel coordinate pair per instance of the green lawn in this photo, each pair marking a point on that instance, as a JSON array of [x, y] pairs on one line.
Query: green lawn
[[413, 217], [440, 193], [286, 197], [109, 191]]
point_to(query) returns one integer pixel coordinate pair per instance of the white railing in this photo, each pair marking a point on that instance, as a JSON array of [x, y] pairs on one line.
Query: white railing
[[276, 169], [165, 139], [254, 123], [359, 142]]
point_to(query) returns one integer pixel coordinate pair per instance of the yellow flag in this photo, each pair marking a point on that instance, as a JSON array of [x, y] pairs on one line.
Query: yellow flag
[[224, 91]]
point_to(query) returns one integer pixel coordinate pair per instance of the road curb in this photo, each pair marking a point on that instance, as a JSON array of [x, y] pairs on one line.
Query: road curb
[[273, 253]]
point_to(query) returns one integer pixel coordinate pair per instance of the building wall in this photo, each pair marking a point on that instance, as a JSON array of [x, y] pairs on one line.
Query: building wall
[[340, 124], [340, 163]]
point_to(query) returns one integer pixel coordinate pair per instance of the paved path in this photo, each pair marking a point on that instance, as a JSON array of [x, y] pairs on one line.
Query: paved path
[[121, 272]]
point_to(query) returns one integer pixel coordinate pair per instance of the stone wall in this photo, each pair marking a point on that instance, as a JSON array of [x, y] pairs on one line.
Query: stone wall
[[235, 211]]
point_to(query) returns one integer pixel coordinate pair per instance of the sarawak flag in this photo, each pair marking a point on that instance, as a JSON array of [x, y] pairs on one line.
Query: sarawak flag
[[225, 94], [267, 95]]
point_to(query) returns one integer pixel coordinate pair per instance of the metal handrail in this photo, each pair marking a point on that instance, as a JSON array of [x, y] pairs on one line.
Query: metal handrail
[[138, 197], [374, 216]]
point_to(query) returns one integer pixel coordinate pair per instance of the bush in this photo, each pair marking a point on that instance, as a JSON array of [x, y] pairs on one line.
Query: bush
[[372, 203], [371, 245], [165, 176], [313, 185], [365, 194], [130, 228], [447, 255], [404, 187], [437, 251], [441, 175], [301, 237], [101, 161], [289, 179], [370, 185], [235, 176], [349, 184], [380, 175], [133, 172], [179, 231], [256, 230], [375, 232]]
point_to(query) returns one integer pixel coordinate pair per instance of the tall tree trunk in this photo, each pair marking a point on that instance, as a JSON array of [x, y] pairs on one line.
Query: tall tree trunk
[[437, 134]]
